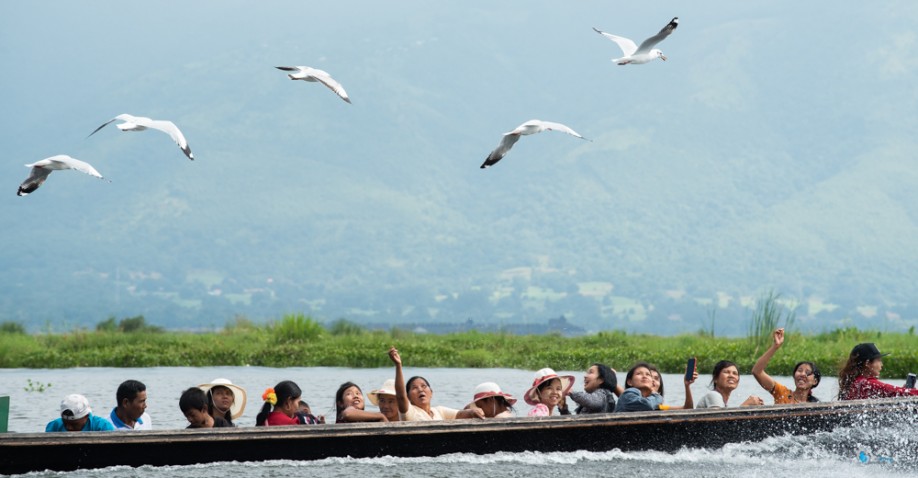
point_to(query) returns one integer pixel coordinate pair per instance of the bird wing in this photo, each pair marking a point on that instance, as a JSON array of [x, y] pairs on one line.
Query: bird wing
[[103, 125], [506, 142], [172, 130], [550, 126], [72, 163], [288, 68], [36, 177], [651, 42], [626, 44], [330, 82]]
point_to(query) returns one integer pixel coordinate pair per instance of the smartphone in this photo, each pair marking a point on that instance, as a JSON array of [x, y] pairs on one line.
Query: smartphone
[[910, 381], [690, 369]]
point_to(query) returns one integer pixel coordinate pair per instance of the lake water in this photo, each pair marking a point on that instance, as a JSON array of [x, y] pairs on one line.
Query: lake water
[[825, 454]]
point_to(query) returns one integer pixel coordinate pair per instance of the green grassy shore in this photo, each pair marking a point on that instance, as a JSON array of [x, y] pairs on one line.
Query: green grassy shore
[[300, 341]]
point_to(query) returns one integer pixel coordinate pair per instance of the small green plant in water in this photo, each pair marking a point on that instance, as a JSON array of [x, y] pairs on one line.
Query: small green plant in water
[[36, 386]]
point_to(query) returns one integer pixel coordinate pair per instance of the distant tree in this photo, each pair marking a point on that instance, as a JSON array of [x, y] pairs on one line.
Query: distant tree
[[10, 327], [108, 325]]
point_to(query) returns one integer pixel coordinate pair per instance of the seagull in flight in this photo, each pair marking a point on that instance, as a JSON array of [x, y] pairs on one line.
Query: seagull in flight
[[42, 169], [529, 127], [646, 52], [306, 73], [139, 123]]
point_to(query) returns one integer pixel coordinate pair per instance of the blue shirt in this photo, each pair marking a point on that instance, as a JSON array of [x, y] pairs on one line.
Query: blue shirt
[[119, 425], [94, 424], [633, 401]]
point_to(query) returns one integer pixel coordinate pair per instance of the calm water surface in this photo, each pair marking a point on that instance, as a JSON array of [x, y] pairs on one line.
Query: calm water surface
[[825, 454]]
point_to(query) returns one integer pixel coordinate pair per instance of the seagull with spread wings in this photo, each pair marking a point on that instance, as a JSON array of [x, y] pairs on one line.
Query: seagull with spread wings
[[527, 128], [646, 52], [42, 169], [306, 73], [139, 123]]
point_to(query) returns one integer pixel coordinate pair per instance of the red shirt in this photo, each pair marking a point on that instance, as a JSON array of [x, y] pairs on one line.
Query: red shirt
[[869, 387], [278, 418]]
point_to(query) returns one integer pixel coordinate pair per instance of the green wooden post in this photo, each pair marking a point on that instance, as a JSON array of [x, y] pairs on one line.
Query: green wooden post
[[4, 414]]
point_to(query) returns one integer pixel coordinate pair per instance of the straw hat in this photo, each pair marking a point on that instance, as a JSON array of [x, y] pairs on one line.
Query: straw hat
[[238, 394], [491, 389], [388, 388], [542, 376]]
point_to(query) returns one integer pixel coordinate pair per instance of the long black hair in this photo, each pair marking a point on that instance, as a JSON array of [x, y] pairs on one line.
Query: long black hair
[[816, 374], [284, 391], [339, 396]]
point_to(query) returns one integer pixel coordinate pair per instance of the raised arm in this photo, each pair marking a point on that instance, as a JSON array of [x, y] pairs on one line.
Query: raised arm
[[758, 370], [689, 402], [401, 396]]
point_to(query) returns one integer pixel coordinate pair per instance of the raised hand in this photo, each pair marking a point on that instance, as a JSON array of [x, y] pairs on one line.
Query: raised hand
[[394, 356], [778, 336]]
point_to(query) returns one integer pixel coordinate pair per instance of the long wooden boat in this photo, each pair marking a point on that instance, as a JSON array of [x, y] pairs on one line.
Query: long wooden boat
[[663, 431]]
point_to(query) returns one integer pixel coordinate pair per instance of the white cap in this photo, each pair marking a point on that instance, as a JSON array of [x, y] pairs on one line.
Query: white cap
[[74, 407]]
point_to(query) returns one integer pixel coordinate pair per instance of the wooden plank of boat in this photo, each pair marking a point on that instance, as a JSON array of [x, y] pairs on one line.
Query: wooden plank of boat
[[664, 431]]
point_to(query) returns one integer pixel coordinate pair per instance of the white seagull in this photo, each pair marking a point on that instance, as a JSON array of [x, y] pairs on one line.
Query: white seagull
[[42, 169], [139, 123], [646, 52], [529, 127], [306, 73]]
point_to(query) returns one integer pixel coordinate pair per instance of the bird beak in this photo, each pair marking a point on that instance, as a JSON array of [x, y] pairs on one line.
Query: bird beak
[[663, 57]]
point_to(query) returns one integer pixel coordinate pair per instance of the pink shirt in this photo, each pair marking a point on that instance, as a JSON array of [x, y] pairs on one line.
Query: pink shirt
[[869, 387]]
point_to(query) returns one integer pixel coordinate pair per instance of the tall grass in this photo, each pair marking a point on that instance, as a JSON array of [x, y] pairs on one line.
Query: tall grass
[[767, 317], [297, 328]]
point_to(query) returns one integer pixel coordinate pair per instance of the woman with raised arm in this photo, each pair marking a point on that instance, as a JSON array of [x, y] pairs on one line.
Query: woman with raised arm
[[598, 395], [414, 398], [806, 376]]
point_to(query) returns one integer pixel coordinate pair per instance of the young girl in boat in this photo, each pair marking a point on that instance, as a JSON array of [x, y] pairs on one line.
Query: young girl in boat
[[548, 392], [639, 394], [193, 404], [415, 396], [806, 376], [492, 401], [225, 400], [859, 378], [349, 406], [658, 388], [724, 381], [599, 391], [281, 405]]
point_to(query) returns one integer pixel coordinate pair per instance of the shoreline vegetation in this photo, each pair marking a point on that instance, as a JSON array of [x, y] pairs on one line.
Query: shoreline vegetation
[[299, 341]]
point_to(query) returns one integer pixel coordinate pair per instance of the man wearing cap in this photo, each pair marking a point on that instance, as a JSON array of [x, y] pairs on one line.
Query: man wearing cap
[[859, 379], [76, 416], [130, 414]]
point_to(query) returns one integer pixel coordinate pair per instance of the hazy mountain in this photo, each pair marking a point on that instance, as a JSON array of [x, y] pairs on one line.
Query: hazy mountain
[[773, 151]]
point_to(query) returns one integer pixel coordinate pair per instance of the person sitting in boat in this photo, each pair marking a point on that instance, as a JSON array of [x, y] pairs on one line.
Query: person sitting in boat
[[806, 376], [304, 413], [349, 406], [599, 391], [639, 394], [658, 388], [548, 392], [724, 381], [224, 399], [415, 396], [281, 405], [384, 398], [194, 405], [130, 413], [492, 401], [76, 416], [859, 378]]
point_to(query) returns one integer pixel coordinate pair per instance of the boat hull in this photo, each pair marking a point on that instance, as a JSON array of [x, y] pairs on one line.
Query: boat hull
[[662, 431]]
